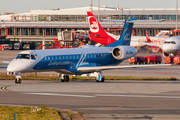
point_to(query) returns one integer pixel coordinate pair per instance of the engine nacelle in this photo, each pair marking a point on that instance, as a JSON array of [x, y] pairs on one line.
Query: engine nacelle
[[165, 54], [123, 52]]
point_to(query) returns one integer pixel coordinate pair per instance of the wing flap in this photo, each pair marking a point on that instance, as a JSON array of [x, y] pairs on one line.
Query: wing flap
[[151, 44], [98, 68]]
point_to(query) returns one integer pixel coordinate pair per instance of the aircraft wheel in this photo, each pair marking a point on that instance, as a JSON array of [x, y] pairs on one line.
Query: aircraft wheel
[[20, 81], [67, 78], [16, 81], [97, 81], [102, 80], [62, 80]]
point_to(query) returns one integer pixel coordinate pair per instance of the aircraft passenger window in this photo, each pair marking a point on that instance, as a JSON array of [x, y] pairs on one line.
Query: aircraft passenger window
[[63, 57], [23, 56], [66, 57], [173, 42], [166, 42], [73, 56], [59, 57], [94, 55], [33, 57], [52, 58], [97, 55], [104, 55], [49, 58], [101, 55], [70, 57], [77, 56], [56, 57], [91, 56]]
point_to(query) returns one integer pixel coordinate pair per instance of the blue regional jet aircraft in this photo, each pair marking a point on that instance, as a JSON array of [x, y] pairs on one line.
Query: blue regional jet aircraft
[[77, 61]]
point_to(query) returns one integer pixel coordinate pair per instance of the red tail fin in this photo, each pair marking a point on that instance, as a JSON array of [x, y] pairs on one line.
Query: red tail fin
[[147, 37], [97, 32]]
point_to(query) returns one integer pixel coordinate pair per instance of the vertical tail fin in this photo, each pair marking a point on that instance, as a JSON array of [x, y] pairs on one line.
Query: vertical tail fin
[[95, 27], [125, 38], [147, 37], [97, 32]]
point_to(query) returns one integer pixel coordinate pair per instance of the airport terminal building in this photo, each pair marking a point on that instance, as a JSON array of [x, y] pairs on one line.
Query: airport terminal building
[[43, 25]]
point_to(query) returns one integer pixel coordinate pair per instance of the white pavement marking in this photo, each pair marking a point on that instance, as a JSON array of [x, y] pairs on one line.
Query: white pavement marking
[[145, 96], [106, 95], [67, 95]]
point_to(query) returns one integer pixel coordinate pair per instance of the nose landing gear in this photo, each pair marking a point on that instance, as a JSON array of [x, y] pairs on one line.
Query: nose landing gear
[[18, 79], [17, 76]]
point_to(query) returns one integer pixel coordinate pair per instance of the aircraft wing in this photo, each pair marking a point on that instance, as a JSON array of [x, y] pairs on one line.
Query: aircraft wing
[[132, 21], [151, 44], [98, 68], [7, 62]]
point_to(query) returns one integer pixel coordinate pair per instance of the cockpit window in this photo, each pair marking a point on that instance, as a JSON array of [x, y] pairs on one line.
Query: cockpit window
[[169, 42], [33, 57], [25, 56], [172, 42]]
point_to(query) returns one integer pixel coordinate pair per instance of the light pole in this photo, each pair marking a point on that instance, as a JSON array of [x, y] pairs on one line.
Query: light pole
[[91, 5], [176, 13], [98, 9]]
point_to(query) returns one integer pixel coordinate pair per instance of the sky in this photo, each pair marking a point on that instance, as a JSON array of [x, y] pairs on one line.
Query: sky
[[23, 6]]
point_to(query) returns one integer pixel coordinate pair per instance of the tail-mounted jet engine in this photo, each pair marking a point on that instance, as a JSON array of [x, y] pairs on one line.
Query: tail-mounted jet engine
[[123, 52]]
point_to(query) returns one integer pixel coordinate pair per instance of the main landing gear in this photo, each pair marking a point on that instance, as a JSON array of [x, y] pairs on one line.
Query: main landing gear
[[64, 78], [99, 77]]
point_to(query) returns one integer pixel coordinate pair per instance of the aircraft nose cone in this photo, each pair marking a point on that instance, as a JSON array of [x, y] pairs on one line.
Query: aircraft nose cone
[[11, 67], [168, 48], [19, 66]]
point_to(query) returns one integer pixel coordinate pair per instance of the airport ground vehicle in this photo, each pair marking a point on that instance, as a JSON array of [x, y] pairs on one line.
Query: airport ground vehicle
[[172, 59], [154, 59], [168, 59], [136, 60], [1, 47], [16, 46]]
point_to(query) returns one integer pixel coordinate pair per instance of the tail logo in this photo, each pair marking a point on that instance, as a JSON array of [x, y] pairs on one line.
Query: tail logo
[[93, 24], [127, 37]]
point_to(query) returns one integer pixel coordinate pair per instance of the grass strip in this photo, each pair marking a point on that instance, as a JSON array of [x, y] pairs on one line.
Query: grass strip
[[81, 78], [28, 113]]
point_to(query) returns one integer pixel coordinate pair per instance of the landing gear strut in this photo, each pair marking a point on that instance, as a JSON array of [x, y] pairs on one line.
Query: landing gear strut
[[18, 78], [99, 77], [64, 78]]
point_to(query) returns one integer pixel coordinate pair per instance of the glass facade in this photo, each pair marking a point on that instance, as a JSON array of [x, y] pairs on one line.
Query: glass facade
[[76, 18], [83, 18]]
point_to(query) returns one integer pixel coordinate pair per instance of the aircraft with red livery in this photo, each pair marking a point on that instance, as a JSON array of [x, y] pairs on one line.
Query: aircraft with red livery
[[99, 35]]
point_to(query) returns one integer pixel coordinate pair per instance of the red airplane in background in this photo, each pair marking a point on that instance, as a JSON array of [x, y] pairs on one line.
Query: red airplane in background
[[99, 35]]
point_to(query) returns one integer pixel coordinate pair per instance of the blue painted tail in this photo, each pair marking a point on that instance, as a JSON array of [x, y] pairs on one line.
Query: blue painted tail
[[125, 38]]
